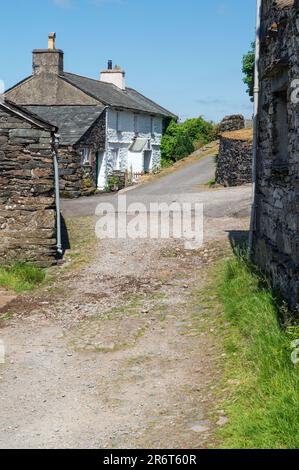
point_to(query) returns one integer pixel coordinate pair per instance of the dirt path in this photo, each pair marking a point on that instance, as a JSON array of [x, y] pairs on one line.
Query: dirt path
[[114, 355]]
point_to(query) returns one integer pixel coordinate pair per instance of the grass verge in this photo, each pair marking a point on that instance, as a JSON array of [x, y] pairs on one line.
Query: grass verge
[[261, 380], [21, 277]]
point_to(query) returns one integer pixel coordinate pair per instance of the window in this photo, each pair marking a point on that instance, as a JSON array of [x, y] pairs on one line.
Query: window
[[86, 156], [281, 128]]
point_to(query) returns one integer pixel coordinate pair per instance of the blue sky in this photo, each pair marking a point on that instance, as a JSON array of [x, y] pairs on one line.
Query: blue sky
[[184, 54]]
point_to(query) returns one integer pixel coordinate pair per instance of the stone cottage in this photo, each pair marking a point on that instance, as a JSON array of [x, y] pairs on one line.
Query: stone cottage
[[28, 229], [276, 231], [104, 125]]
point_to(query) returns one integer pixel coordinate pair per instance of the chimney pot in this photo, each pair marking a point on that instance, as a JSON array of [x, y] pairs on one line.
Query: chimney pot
[[109, 64], [49, 61], [51, 40]]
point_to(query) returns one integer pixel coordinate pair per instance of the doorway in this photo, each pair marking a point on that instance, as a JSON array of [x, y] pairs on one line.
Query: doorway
[[147, 161]]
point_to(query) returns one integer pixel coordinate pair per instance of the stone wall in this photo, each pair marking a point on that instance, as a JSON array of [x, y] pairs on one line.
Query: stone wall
[[234, 122], [95, 140], [276, 241], [70, 172], [234, 163], [27, 196]]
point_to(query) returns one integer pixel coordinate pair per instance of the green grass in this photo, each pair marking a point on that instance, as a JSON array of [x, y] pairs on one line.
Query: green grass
[[21, 277], [263, 383]]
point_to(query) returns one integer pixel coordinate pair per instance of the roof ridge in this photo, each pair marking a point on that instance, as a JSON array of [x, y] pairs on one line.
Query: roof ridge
[[64, 105], [89, 93], [128, 93], [93, 79]]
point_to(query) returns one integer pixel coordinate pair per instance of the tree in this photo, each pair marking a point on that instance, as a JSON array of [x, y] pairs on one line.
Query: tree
[[179, 140], [248, 70]]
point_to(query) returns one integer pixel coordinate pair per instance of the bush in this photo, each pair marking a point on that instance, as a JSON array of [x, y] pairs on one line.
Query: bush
[[180, 140]]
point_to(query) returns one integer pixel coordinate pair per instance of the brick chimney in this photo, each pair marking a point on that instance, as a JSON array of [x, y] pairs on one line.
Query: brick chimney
[[48, 61], [115, 75]]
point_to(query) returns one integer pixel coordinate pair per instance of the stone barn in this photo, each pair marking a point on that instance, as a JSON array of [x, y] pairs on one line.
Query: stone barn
[[27, 187], [276, 230]]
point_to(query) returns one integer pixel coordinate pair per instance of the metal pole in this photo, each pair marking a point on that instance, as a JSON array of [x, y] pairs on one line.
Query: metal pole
[[57, 196], [255, 121]]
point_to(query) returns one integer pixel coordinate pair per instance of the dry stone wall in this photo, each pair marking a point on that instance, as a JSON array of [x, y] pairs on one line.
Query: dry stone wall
[[234, 163], [70, 171]]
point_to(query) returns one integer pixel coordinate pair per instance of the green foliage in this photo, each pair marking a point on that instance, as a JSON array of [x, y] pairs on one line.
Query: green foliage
[[263, 409], [114, 182], [180, 140], [21, 277], [248, 69]]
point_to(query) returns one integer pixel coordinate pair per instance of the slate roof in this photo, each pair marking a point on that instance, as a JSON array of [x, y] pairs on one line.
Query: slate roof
[[26, 114], [72, 121], [111, 95]]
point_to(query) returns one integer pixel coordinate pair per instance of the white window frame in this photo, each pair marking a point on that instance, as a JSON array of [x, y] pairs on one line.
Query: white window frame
[[86, 156]]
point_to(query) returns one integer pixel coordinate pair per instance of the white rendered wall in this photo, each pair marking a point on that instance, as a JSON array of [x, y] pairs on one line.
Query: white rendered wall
[[121, 134]]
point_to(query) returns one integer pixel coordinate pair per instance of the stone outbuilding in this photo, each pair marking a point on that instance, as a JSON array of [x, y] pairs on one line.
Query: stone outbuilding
[[276, 229], [27, 187], [105, 126]]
